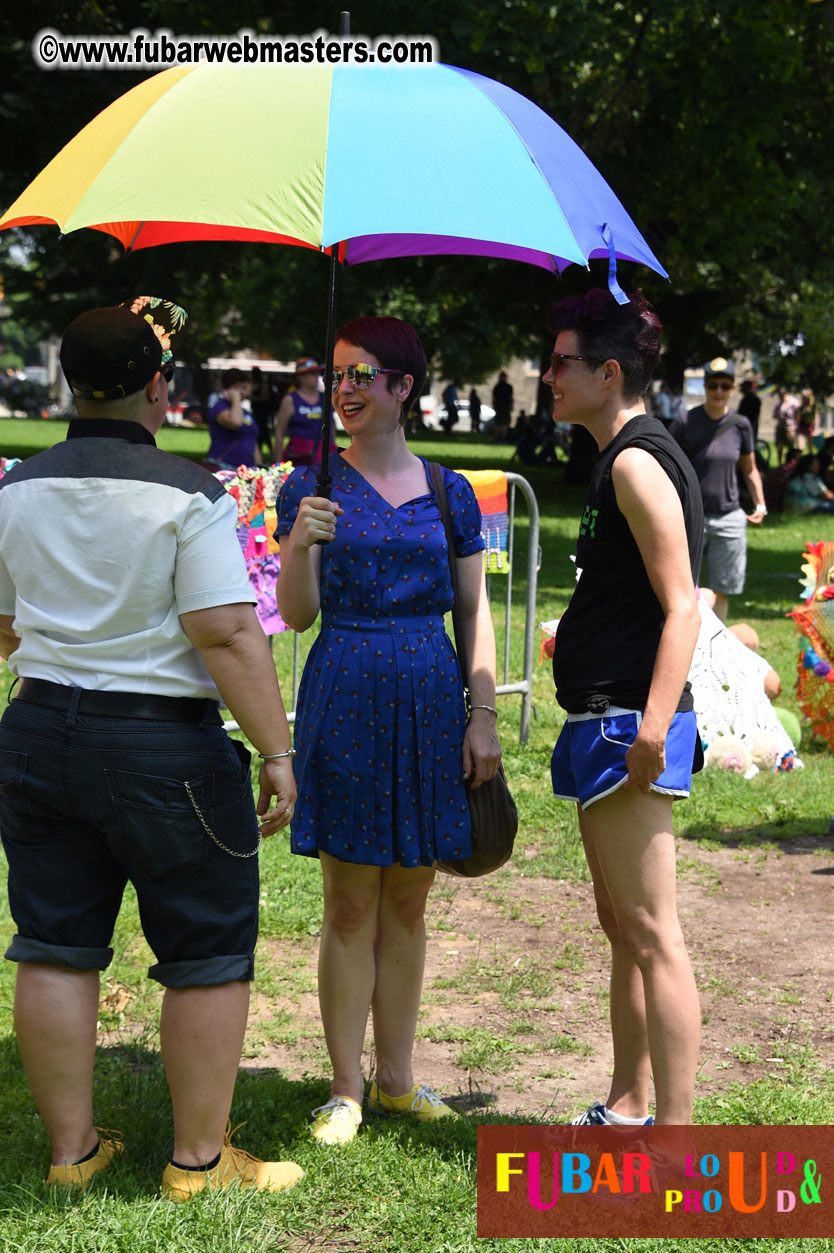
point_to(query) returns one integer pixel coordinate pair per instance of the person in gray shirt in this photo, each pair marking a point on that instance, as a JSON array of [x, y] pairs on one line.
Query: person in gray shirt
[[719, 442]]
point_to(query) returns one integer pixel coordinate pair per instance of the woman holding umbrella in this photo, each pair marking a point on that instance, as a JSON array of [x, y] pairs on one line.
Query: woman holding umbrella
[[381, 736]]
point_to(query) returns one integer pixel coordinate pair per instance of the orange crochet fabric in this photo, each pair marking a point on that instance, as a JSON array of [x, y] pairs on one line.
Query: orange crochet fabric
[[815, 622]]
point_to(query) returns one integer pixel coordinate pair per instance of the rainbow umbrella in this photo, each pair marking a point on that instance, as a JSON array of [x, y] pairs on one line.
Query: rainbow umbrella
[[320, 156]]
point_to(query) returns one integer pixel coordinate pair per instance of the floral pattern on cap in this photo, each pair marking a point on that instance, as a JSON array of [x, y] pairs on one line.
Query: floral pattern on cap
[[166, 320]]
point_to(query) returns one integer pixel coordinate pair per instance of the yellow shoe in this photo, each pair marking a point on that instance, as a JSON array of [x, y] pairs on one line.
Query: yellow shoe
[[82, 1174], [421, 1101], [235, 1166], [337, 1122]]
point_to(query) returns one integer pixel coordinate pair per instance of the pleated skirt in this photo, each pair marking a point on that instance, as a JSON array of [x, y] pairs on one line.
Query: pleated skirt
[[379, 742]]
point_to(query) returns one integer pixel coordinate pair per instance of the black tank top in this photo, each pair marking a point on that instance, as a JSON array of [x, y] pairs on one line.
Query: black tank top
[[607, 639]]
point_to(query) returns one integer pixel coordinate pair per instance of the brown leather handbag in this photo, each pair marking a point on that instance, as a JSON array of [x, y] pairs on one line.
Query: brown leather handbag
[[492, 809]]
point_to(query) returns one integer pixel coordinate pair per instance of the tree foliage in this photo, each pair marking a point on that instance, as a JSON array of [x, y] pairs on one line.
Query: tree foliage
[[711, 121]]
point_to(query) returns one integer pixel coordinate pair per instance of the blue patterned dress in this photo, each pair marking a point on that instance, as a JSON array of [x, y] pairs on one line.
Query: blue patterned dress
[[380, 719]]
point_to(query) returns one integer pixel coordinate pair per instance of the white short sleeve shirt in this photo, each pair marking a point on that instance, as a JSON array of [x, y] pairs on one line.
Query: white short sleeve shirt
[[104, 541]]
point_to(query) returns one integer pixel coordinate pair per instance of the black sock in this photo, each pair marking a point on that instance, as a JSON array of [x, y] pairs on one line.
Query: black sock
[[88, 1156], [208, 1166]]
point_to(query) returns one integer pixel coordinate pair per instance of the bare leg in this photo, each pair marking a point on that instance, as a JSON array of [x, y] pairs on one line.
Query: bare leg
[[629, 1093], [722, 605], [347, 970], [400, 961], [632, 837], [55, 1014], [201, 1031]]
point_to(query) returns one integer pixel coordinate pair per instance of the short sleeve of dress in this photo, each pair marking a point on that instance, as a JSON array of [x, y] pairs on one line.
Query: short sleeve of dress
[[299, 484], [466, 514]]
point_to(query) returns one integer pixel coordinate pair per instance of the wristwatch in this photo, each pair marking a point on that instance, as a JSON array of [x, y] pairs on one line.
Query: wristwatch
[[762, 509]]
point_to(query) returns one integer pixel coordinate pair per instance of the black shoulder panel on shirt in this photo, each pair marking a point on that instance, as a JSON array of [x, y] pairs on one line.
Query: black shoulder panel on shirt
[[116, 459]]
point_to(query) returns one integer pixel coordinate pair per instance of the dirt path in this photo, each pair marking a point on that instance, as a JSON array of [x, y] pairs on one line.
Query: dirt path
[[515, 1010]]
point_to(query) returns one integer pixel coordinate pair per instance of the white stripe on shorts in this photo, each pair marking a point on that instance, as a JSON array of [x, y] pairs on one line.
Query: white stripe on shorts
[[613, 711]]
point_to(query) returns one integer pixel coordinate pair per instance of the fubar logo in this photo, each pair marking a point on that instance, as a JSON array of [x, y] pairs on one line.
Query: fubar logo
[[565, 1181]]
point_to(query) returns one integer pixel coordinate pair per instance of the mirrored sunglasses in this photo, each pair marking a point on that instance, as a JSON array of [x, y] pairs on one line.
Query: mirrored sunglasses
[[558, 359], [360, 375]]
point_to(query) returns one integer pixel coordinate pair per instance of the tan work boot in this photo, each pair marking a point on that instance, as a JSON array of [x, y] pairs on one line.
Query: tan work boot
[[236, 1166], [81, 1174]]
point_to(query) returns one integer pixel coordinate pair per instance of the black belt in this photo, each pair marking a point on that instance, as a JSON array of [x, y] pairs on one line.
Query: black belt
[[98, 704]]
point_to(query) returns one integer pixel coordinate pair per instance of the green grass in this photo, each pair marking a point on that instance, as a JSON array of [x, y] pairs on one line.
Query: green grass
[[401, 1187], [23, 437]]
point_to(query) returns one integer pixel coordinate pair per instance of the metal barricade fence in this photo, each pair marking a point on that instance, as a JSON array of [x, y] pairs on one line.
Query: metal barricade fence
[[508, 687], [524, 685]]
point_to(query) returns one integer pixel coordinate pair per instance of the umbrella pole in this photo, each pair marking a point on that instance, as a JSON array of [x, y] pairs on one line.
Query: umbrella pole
[[324, 478]]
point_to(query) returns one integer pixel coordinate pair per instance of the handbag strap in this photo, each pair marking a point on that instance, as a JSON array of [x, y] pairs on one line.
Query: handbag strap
[[436, 477]]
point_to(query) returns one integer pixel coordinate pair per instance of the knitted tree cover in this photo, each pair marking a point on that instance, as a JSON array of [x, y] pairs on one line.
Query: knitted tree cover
[[815, 622]]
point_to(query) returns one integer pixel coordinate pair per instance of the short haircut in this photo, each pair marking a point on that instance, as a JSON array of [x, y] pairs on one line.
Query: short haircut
[[395, 344], [629, 334], [229, 377]]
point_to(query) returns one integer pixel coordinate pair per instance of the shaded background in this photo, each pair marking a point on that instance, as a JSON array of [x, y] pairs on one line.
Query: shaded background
[[711, 121]]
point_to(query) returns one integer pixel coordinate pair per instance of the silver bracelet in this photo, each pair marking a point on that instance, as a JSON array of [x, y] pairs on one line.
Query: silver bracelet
[[487, 707], [274, 756]]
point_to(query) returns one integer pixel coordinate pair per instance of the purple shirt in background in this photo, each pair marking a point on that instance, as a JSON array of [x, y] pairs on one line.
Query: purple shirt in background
[[231, 448]]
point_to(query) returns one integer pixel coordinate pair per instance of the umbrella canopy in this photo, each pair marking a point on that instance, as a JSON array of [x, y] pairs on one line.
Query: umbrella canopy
[[381, 161]]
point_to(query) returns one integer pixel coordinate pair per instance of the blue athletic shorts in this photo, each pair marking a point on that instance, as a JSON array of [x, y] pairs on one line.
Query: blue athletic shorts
[[588, 761]]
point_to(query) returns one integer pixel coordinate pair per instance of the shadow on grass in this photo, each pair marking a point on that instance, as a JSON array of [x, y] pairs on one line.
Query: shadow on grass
[[131, 1094], [794, 842]]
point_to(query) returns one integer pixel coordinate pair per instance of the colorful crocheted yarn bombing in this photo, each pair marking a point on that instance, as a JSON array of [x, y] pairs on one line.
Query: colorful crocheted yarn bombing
[[815, 622], [490, 487], [255, 489]]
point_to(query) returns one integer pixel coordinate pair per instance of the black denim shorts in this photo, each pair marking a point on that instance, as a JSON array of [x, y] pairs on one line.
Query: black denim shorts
[[88, 803]]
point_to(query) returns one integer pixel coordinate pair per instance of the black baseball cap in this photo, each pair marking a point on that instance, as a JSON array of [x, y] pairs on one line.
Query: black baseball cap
[[114, 351], [719, 367]]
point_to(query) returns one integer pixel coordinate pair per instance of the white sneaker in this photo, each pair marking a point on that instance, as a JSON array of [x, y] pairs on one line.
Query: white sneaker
[[596, 1115]]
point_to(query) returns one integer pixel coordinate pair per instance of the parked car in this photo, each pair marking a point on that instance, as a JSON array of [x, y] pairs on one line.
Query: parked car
[[23, 395], [184, 411]]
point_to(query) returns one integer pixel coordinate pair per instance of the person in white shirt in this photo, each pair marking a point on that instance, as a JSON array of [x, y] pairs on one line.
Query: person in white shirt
[[125, 612]]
